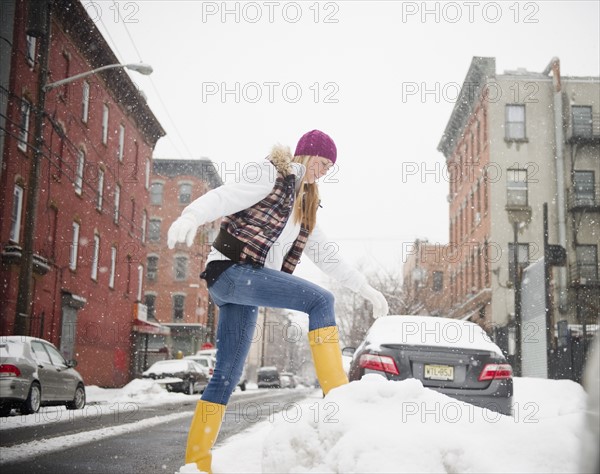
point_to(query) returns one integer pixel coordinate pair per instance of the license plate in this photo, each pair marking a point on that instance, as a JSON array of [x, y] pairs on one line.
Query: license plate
[[439, 372]]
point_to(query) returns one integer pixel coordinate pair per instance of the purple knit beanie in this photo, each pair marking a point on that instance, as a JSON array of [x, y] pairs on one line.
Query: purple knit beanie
[[316, 143]]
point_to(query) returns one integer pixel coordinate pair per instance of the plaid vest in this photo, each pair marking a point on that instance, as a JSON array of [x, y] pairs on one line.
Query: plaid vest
[[258, 227]]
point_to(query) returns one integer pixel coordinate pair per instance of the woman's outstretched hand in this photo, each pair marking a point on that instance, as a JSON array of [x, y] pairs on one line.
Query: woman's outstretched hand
[[182, 230], [380, 305]]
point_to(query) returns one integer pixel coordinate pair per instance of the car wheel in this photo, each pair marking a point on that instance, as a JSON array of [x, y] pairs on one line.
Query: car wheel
[[243, 386], [34, 400], [78, 401]]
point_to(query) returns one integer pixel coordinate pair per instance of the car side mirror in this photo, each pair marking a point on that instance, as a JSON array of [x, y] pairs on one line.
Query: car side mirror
[[72, 363], [348, 351]]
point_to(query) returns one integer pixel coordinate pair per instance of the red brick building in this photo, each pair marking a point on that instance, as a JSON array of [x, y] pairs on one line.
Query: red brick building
[[174, 294], [469, 288], [89, 241], [424, 278]]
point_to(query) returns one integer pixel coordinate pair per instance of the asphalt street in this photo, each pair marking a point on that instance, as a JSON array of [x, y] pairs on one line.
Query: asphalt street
[[156, 449]]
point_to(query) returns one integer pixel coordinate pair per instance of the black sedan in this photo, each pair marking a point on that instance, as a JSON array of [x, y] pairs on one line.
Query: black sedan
[[179, 375], [453, 357]]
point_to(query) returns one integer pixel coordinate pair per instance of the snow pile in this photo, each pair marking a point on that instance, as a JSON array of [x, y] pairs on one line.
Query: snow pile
[[143, 392], [375, 425]]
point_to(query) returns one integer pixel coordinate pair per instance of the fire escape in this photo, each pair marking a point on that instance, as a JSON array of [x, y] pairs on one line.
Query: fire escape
[[583, 201]]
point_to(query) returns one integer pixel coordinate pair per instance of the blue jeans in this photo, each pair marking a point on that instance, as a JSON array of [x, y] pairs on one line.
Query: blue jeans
[[238, 292]]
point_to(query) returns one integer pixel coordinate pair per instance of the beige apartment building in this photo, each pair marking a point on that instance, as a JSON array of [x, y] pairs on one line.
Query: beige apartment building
[[515, 141]]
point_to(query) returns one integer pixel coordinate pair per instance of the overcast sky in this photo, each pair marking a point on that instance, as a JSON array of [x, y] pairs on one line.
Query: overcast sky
[[354, 69]]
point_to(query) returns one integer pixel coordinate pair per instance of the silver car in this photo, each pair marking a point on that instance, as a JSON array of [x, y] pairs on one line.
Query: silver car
[[33, 373]]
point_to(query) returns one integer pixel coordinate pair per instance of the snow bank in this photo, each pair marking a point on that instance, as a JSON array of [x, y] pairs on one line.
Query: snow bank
[[375, 425]]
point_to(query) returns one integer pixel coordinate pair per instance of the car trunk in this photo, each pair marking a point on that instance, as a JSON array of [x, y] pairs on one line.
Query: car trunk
[[439, 367]]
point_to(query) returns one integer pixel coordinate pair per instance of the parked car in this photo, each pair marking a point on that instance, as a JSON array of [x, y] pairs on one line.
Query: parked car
[[206, 361], [268, 377], [287, 380], [179, 375], [453, 357], [208, 357], [33, 373]]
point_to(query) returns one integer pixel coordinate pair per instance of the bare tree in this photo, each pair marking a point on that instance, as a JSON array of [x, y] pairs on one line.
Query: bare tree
[[354, 314]]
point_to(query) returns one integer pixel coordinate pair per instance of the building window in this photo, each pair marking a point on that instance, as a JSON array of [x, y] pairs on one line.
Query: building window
[[178, 305], [185, 193], [154, 230], [85, 101], [31, 43], [24, 125], [181, 264], [484, 125], [74, 247], [485, 192], [121, 141], [132, 223], [582, 121], [105, 125], [486, 266], [152, 268], [95, 257], [113, 267], [79, 172], [587, 262], [147, 174], [584, 188], [156, 194], [67, 73], [144, 220], [438, 281], [516, 188], [522, 258], [140, 282], [100, 190], [515, 122], [150, 302], [478, 139], [117, 203], [17, 213]]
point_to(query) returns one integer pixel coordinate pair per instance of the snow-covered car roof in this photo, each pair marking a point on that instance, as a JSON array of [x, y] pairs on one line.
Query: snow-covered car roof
[[169, 366], [429, 331]]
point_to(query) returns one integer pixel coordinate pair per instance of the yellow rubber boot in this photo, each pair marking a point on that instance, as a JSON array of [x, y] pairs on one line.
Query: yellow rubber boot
[[203, 433], [327, 357]]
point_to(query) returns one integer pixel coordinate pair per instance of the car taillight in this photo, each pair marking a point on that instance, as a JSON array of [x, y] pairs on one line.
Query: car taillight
[[495, 371], [9, 370], [210, 371], [378, 362]]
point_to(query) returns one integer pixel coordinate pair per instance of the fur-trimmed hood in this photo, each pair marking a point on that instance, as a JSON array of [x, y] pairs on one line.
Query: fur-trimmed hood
[[281, 157]]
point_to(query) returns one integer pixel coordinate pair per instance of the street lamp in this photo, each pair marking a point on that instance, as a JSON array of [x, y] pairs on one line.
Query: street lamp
[[23, 307], [142, 68]]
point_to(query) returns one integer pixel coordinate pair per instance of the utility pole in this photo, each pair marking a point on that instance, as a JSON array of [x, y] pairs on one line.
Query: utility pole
[[517, 283], [39, 27]]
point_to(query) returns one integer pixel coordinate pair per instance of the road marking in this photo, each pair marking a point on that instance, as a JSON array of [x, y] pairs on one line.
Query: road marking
[[36, 448]]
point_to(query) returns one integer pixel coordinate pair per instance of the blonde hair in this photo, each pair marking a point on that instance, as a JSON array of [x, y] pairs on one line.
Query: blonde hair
[[307, 199]]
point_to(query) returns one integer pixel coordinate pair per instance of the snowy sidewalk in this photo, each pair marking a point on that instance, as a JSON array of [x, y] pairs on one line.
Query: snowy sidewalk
[[378, 426]]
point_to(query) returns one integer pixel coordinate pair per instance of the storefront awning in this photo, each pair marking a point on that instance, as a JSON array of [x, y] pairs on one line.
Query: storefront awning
[[147, 327]]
